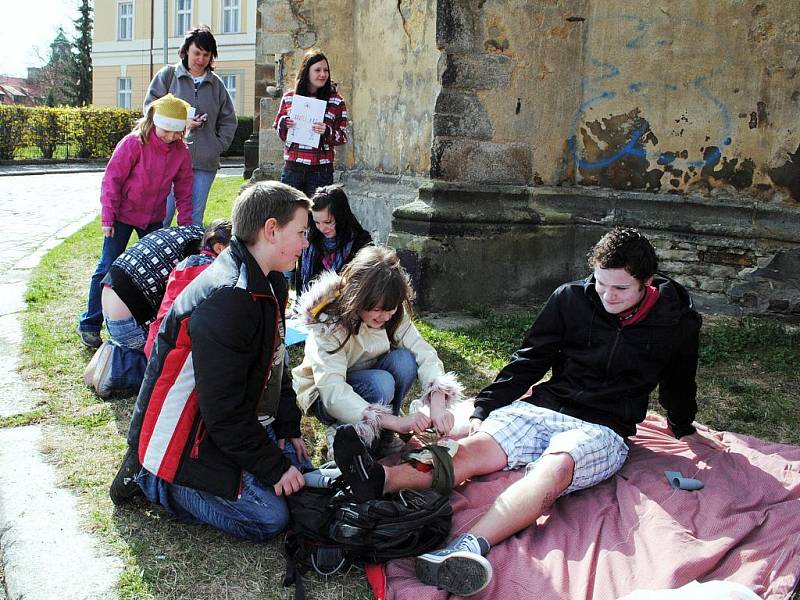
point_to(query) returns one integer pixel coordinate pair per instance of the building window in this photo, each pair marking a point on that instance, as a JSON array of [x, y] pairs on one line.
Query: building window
[[124, 92], [183, 16], [230, 16], [125, 21], [229, 79]]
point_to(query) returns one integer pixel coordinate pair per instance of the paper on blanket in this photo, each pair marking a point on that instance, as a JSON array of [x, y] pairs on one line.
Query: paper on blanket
[[305, 112]]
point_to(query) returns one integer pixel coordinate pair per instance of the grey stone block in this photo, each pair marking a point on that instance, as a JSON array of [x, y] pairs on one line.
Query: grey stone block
[[456, 25], [480, 162], [275, 43], [459, 114], [476, 71]]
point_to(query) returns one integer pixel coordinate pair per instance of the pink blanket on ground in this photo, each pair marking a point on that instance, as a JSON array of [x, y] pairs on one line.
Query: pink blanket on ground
[[634, 531]]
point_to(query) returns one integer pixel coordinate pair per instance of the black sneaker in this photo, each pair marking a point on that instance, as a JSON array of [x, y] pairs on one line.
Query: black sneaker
[[362, 479], [90, 339], [124, 486], [456, 569]]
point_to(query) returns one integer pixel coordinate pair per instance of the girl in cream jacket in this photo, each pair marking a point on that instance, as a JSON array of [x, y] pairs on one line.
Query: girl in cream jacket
[[363, 353]]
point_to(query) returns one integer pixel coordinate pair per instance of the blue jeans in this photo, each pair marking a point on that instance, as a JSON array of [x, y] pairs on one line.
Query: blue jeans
[[257, 515], [92, 319], [128, 361], [307, 181], [201, 185], [386, 383]]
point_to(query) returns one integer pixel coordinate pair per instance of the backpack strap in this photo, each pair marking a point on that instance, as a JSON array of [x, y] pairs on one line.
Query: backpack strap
[[171, 71]]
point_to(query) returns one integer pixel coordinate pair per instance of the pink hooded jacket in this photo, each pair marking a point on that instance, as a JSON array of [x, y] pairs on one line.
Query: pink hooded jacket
[[138, 179]]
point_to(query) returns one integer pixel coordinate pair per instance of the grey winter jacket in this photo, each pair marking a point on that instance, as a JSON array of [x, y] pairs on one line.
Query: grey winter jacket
[[206, 143]]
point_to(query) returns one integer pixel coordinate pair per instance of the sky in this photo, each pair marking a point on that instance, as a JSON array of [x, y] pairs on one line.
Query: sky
[[29, 24]]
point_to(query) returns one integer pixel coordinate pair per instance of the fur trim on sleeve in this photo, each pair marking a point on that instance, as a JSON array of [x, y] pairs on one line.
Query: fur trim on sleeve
[[448, 384], [369, 427]]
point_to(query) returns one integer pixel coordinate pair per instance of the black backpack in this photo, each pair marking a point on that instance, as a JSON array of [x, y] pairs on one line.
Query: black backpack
[[328, 533]]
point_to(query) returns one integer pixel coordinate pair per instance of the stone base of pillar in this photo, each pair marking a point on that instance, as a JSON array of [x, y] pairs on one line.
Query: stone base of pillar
[[250, 155], [513, 245]]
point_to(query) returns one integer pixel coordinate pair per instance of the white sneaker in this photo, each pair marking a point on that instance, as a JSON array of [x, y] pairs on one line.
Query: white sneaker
[[101, 374], [89, 371]]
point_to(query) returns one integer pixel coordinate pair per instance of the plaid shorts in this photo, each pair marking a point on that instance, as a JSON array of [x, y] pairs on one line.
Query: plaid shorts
[[525, 432]]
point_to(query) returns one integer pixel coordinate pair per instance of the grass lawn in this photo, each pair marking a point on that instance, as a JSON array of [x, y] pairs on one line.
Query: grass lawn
[[748, 381]]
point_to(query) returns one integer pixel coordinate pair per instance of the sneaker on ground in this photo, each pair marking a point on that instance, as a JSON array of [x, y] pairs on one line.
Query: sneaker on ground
[[101, 376], [457, 568], [362, 478], [89, 371], [124, 486], [90, 339]]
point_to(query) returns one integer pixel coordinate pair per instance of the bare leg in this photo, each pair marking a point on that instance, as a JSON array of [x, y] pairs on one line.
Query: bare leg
[[518, 506], [526, 499], [478, 454]]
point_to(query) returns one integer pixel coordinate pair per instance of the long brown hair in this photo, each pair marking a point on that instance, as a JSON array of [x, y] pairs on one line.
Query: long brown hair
[[312, 57], [373, 279]]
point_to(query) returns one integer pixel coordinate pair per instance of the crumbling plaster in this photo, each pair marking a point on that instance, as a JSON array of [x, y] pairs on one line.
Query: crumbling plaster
[[672, 97]]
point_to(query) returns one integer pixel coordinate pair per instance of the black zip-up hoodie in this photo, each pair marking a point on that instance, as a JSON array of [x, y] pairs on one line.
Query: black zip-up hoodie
[[226, 321], [601, 372]]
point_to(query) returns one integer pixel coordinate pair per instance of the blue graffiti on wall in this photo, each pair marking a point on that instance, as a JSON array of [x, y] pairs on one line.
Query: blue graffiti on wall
[[597, 87]]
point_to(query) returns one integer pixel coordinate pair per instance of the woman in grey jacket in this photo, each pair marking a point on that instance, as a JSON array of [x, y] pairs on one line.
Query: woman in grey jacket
[[211, 130]]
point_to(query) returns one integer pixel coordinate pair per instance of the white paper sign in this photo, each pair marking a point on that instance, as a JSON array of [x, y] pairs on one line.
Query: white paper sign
[[305, 112]]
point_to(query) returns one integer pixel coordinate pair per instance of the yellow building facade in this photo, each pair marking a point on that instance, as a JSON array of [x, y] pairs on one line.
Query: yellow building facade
[[128, 46]]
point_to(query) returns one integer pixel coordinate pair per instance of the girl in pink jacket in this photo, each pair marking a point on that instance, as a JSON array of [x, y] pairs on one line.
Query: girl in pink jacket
[[144, 167]]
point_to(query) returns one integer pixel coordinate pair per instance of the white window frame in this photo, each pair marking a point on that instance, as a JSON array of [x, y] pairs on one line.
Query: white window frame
[[125, 29], [183, 17], [124, 92], [231, 14], [236, 79]]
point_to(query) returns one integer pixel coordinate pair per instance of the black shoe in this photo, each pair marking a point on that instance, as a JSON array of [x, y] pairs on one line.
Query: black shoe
[[90, 339], [124, 486], [362, 479]]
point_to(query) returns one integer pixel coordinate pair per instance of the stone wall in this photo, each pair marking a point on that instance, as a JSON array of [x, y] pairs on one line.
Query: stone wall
[[513, 244], [383, 57], [688, 97], [520, 131]]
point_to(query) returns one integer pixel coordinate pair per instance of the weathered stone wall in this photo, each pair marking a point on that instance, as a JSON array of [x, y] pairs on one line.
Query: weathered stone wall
[[383, 55], [514, 244], [395, 85], [532, 126], [627, 95]]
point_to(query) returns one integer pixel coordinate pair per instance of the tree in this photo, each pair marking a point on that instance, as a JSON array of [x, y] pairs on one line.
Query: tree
[[79, 69], [53, 75]]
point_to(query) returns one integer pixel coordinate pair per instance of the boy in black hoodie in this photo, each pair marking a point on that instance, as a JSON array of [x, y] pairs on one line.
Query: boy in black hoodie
[[610, 340]]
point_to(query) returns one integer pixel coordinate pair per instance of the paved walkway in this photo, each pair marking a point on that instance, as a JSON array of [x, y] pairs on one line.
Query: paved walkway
[[45, 554]]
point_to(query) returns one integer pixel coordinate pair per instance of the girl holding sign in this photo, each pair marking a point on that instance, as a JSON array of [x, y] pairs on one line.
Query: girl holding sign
[[309, 166]]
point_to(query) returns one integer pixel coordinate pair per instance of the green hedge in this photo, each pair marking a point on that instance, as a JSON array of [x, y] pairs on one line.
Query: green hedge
[[66, 132], [63, 132], [243, 131]]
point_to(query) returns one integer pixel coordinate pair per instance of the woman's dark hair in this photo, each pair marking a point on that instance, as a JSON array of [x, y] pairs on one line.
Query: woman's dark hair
[[335, 200], [201, 37], [218, 232], [312, 57], [625, 248]]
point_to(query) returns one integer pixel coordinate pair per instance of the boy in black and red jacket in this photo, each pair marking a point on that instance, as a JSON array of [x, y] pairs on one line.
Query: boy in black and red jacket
[[216, 427]]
